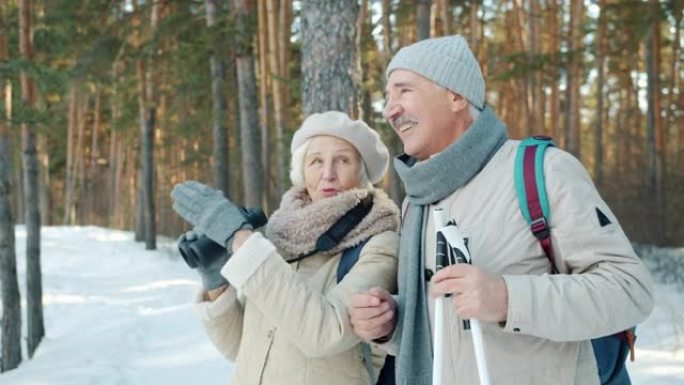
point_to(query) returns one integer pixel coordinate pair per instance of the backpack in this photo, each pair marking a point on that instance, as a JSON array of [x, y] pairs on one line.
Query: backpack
[[348, 259], [610, 351]]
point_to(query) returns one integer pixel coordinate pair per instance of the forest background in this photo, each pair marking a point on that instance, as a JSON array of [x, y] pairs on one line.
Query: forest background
[[106, 104], [109, 103]]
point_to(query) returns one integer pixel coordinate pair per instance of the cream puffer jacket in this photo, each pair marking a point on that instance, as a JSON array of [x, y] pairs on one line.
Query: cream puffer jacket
[[602, 286], [290, 324]]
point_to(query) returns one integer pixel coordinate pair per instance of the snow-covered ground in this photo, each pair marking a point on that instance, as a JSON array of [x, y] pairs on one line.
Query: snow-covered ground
[[117, 314]]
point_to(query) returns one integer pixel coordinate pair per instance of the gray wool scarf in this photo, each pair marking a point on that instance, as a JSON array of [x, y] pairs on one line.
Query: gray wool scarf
[[428, 182]]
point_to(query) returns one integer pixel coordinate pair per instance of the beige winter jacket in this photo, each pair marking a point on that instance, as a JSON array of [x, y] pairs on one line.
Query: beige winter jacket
[[602, 287], [293, 327]]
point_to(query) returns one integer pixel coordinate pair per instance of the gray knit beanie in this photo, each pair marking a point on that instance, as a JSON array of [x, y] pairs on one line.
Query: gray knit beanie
[[446, 61]]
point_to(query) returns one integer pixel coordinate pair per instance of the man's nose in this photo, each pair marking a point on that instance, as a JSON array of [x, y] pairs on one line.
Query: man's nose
[[391, 110]]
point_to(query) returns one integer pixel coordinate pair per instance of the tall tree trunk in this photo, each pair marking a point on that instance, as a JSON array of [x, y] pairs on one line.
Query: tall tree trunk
[[285, 23], [79, 156], [18, 174], [446, 16], [139, 234], [148, 170], [115, 147], [395, 187], [523, 125], [265, 106], [474, 27], [423, 19], [72, 121], [572, 133], [249, 116], [601, 42], [386, 30], [44, 201], [164, 170], [554, 48], [34, 287], [364, 107], [328, 56], [235, 140], [677, 126], [219, 99], [111, 177], [148, 117], [10, 354], [536, 91], [656, 142], [279, 108], [94, 177]]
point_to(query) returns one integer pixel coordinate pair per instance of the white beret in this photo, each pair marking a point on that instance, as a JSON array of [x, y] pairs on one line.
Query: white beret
[[366, 140]]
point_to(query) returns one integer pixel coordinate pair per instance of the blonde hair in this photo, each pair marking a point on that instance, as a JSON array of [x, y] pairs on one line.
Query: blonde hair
[[297, 167]]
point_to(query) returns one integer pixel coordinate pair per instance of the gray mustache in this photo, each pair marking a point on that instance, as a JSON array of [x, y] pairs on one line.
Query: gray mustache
[[402, 120]]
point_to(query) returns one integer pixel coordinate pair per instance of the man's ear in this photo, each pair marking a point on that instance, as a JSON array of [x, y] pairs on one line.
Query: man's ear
[[458, 103]]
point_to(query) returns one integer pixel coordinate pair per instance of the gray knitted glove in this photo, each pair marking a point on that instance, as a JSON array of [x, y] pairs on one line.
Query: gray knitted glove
[[209, 211], [208, 266]]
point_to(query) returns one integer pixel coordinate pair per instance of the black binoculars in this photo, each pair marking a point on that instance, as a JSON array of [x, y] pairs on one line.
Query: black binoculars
[[202, 250]]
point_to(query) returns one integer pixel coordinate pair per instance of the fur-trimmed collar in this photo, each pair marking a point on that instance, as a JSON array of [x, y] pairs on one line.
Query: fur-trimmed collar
[[297, 224]]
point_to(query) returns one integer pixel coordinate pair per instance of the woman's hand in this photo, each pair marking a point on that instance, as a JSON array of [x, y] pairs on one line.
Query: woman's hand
[[239, 238]]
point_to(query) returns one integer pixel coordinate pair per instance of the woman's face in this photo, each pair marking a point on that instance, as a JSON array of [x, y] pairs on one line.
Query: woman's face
[[331, 165]]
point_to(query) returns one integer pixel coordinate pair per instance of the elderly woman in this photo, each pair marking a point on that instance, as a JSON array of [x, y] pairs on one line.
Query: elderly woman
[[278, 307]]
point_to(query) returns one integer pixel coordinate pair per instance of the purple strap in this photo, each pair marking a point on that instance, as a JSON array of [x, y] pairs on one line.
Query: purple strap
[[538, 224]]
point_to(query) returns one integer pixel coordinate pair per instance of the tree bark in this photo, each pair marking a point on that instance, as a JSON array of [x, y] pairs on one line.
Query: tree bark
[[572, 133], [423, 19], [83, 110], [94, 177], [656, 142], [139, 234], [328, 56], [474, 27], [72, 121], [555, 126], [386, 30], [219, 99], [249, 117], [600, 66], [279, 108], [265, 106], [395, 187], [10, 356], [536, 92], [34, 287], [148, 117], [677, 126], [446, 16], [522, 85], [115, 149]]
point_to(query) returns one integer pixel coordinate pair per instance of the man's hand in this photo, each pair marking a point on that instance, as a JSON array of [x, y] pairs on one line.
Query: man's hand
[[373, 313], [475, 293], [209, 211]]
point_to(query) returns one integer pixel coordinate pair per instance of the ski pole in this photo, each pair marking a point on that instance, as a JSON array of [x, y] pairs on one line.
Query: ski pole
[[441, 260], [456, 246]]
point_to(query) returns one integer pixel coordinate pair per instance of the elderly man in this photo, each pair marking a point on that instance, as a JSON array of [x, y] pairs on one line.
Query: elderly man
[[536, 326]]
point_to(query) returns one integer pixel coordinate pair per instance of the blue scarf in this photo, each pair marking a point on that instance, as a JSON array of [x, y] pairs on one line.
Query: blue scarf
[[425, 183]]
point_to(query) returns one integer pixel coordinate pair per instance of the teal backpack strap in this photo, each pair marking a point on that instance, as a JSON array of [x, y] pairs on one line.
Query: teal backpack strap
[[538, 145], [531, 192]]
